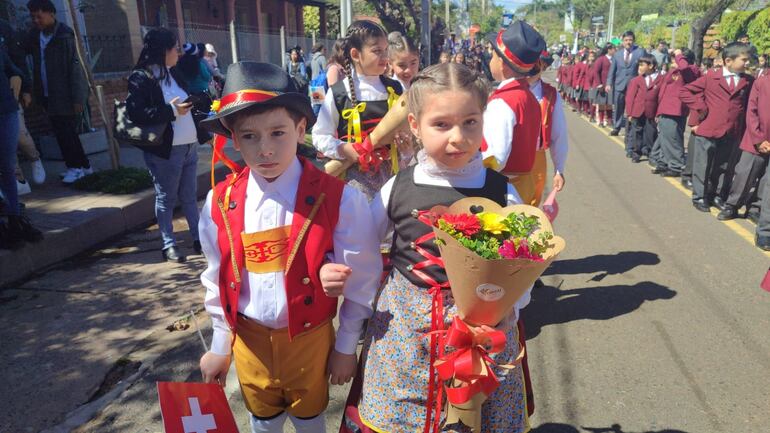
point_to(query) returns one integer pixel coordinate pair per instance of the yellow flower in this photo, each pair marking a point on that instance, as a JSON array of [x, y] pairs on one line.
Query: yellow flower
[[215, 105], [492, 223]]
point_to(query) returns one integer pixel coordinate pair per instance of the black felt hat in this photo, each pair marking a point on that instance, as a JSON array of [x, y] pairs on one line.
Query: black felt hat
[[519, 45], [251, 83]]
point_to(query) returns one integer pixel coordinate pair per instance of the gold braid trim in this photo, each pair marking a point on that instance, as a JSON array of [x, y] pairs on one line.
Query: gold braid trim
[[228, 230], [303, 231]]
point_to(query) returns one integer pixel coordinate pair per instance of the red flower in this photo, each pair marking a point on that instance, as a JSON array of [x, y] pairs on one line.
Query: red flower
[[464, 223]]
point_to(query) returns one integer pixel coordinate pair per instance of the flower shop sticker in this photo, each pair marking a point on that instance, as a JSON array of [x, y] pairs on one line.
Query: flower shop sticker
[[490, 292]]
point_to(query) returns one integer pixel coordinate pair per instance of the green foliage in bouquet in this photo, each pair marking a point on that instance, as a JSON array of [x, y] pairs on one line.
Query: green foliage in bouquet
[[493, 236]]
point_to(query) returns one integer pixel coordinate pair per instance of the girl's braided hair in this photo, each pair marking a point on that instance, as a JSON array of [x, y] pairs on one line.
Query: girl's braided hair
[[358, 33], [442, 77]]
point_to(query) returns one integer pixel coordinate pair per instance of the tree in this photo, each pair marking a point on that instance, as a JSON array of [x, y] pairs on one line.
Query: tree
[[312, 20], [700, 26]]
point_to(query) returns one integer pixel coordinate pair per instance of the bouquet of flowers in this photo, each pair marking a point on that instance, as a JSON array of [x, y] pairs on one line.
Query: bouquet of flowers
[[492, 256]]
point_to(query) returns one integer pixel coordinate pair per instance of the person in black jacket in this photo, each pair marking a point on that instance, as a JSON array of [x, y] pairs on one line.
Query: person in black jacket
[[18, 228], [59, 84], [156, 95]]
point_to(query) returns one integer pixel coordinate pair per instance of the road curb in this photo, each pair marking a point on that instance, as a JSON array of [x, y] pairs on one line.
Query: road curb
[[98, 226]]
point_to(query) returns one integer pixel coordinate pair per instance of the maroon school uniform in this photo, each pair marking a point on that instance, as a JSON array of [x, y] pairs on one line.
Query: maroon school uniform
[[720, 110], [672, 83]]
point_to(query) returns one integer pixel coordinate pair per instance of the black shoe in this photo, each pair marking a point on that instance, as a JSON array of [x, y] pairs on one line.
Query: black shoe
[[659, 170], [672, 173], [701, 205], [687, 183], [172, 254], [762, 242], [21, 227], [629, 155], [615, 132], [729, 212], [753, 216], [719, 203], [636, 159], [9, 241], [197, 247]]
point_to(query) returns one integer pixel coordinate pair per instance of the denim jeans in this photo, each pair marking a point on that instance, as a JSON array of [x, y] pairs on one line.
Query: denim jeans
[[9, 141], [175, 178]]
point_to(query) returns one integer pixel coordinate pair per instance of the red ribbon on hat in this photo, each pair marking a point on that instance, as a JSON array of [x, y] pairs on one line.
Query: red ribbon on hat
[[510, 56]]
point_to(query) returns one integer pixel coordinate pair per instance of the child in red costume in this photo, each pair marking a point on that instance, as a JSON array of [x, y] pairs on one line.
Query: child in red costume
[[269, 233]]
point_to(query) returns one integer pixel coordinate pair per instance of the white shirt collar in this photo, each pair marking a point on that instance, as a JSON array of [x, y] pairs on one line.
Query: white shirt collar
[[435, 170], [506, 82], [726, 72], [284, 185]]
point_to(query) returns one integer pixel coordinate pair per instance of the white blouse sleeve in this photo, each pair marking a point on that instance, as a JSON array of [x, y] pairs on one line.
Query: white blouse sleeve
[[357, 246], [220, 341], [559, 144], [325, 129]]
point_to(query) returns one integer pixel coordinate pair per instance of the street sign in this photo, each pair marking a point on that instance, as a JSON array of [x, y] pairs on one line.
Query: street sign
[[649, 17], [599, 19], [195, 408]]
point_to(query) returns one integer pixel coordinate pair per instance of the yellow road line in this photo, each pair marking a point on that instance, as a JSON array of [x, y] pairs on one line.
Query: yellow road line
[[732, 225]]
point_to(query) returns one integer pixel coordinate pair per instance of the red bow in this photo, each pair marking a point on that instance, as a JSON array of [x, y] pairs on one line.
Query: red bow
[[368, 156], [469, 362]]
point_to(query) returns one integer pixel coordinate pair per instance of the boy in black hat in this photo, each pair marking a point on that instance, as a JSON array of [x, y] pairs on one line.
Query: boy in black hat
[[512, 119], [270, 232]]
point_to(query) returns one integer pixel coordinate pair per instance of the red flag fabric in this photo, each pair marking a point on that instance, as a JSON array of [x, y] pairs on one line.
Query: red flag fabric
[[766, 282], [195, 408]]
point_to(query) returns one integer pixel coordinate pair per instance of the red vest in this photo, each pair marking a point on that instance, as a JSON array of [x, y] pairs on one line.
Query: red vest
[[547, 105], [307, 303], [524, 104]]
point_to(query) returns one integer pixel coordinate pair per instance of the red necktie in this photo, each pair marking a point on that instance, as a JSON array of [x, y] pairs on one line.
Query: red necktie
[[732, 83]]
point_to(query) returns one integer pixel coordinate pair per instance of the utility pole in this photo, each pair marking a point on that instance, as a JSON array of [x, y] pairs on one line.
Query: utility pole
[[343, 18], [483, 8], [611, 23], [425, 31]]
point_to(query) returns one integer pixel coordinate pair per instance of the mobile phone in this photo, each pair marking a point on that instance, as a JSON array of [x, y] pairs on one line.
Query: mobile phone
[[192, 99]]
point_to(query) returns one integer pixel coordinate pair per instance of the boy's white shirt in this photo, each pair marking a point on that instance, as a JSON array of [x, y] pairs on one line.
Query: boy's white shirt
[[499, 121], [263, 296], [472, 176], [368, 88], [559, 146]]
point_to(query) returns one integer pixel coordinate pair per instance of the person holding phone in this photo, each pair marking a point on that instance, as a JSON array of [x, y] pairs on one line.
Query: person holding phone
[[156, 96]]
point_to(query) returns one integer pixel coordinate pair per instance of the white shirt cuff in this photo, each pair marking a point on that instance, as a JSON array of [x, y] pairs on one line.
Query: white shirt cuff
[[221, 342], [346, 342]]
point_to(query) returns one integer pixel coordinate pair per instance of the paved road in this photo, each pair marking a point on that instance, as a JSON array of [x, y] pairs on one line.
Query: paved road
[[652, 321]]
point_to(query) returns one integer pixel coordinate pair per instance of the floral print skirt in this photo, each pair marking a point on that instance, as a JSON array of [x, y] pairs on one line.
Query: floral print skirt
[[396, 368]]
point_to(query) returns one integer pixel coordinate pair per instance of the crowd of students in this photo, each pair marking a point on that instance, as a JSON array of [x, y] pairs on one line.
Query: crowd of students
[[726, 156]]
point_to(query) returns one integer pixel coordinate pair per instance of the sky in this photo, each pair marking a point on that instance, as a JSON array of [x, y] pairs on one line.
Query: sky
[[511, 5]]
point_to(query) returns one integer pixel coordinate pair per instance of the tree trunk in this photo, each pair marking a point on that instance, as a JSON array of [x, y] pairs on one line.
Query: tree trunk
[[701, 26]]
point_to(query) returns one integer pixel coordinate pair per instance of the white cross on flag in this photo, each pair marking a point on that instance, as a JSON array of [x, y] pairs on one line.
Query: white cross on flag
[[195, 408]]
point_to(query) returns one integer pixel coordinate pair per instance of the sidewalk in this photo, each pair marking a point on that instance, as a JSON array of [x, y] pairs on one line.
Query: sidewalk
[[74, 221]]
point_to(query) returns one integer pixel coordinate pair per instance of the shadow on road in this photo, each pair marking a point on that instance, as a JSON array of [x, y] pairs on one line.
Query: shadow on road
[[551, 306], [605, 264], [615, 428]]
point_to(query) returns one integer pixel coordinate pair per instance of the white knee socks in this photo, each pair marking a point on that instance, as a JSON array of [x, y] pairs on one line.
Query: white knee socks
[[274, 425], [313, 425]]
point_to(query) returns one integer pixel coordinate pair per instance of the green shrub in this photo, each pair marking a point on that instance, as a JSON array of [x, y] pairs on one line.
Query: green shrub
[[125, 180], [735, 23], [759, 31]]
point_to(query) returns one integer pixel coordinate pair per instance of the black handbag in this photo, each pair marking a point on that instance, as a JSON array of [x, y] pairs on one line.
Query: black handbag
[[127, 132]]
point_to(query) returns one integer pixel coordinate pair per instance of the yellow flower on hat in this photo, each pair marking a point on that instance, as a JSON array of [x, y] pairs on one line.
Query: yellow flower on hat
[[215, 105], [492, 223]]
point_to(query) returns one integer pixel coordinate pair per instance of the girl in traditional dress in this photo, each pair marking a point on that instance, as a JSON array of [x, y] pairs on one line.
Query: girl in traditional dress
[[354, 106], [400, 390]]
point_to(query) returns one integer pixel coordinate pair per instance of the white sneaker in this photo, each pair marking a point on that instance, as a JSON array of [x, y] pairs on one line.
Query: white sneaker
[[74, 175], [23, 187], [87, 171], [38, 172], [67, 172]]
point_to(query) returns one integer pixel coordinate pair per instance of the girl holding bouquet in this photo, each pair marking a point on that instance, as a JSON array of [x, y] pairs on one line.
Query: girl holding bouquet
[[354, 106], [446, 104]]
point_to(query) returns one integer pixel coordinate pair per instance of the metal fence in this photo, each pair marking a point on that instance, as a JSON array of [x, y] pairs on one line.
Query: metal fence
[[263, 47], [108, 52]]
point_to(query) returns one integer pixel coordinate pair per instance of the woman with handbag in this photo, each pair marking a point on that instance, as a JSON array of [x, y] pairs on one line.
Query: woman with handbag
[[155, 99]]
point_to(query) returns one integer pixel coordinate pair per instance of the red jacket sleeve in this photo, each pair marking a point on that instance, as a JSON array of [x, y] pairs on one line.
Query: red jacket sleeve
[[692, 95], [631, 91], [754, 131]]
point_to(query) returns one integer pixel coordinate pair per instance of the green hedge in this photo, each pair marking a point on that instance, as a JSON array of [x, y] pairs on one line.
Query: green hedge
[[759, 31], [125, 180], [734, 24]]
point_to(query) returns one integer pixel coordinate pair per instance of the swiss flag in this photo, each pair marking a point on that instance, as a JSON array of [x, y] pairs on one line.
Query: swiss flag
[[195, 408]]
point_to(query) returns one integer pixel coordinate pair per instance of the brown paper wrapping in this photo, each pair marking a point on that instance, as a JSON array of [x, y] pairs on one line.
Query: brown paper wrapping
[[381, 135], [485, 291]]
